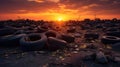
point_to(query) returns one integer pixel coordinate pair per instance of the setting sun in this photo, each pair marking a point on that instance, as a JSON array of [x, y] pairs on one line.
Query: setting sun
[[60, 19]]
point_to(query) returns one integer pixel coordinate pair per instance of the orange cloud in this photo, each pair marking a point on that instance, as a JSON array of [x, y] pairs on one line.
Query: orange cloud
[[89, 6], [39, 1], [56, 1]]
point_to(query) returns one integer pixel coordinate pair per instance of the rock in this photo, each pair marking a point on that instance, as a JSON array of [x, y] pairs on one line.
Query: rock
[[101, 58]]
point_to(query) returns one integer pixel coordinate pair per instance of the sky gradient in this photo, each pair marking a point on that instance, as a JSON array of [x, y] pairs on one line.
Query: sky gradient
[[56, 9]]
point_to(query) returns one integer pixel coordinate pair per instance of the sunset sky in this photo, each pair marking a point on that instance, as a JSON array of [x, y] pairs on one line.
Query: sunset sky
[[59, 9]]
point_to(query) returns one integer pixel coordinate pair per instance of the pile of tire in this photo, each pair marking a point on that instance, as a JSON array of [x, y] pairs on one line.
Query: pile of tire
[[53, 41], [41, 41]]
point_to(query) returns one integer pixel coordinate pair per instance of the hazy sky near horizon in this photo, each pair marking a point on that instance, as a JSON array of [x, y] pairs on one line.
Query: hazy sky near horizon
[[53, 9]]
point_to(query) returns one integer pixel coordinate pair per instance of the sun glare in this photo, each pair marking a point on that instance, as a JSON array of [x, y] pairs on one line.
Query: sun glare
[[60, 19]]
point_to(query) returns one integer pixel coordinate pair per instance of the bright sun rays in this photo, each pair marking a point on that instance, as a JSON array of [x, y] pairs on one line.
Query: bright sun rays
[[60, 19]]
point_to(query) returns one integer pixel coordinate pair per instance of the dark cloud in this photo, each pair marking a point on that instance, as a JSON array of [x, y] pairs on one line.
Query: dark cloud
[[111, 5], [12, 6]]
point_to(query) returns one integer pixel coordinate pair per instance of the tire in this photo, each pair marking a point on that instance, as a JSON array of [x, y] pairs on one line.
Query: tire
[[114, 33], [67, 38], [51, 33], [55, 44], [11, 40], [91, 36], [116, 47], [41, 30], [112, 29], [25, 32], [6, 31], [33, 42], [19, 32], [110, 39]]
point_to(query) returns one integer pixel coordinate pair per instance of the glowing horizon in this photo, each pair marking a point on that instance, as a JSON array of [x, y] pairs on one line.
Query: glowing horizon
[[56, 9]]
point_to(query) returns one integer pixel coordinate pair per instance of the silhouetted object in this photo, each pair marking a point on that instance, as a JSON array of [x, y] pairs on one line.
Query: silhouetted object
[[33, 41], [110, 39], [55, 44]]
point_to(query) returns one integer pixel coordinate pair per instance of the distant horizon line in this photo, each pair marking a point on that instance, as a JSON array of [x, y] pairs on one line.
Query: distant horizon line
[[62, 20]]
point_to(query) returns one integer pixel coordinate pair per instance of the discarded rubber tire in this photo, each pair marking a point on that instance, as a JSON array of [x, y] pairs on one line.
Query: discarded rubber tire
[[116, 47], [113, 33], [41, 30], [33, 42], [6, 31], [99, 26], [112, 29], [67, 38], [11, 40], [110, 39], [30, 31], [55, 44], [19, 32], [91, 36], [51, 33], [25, 32]]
